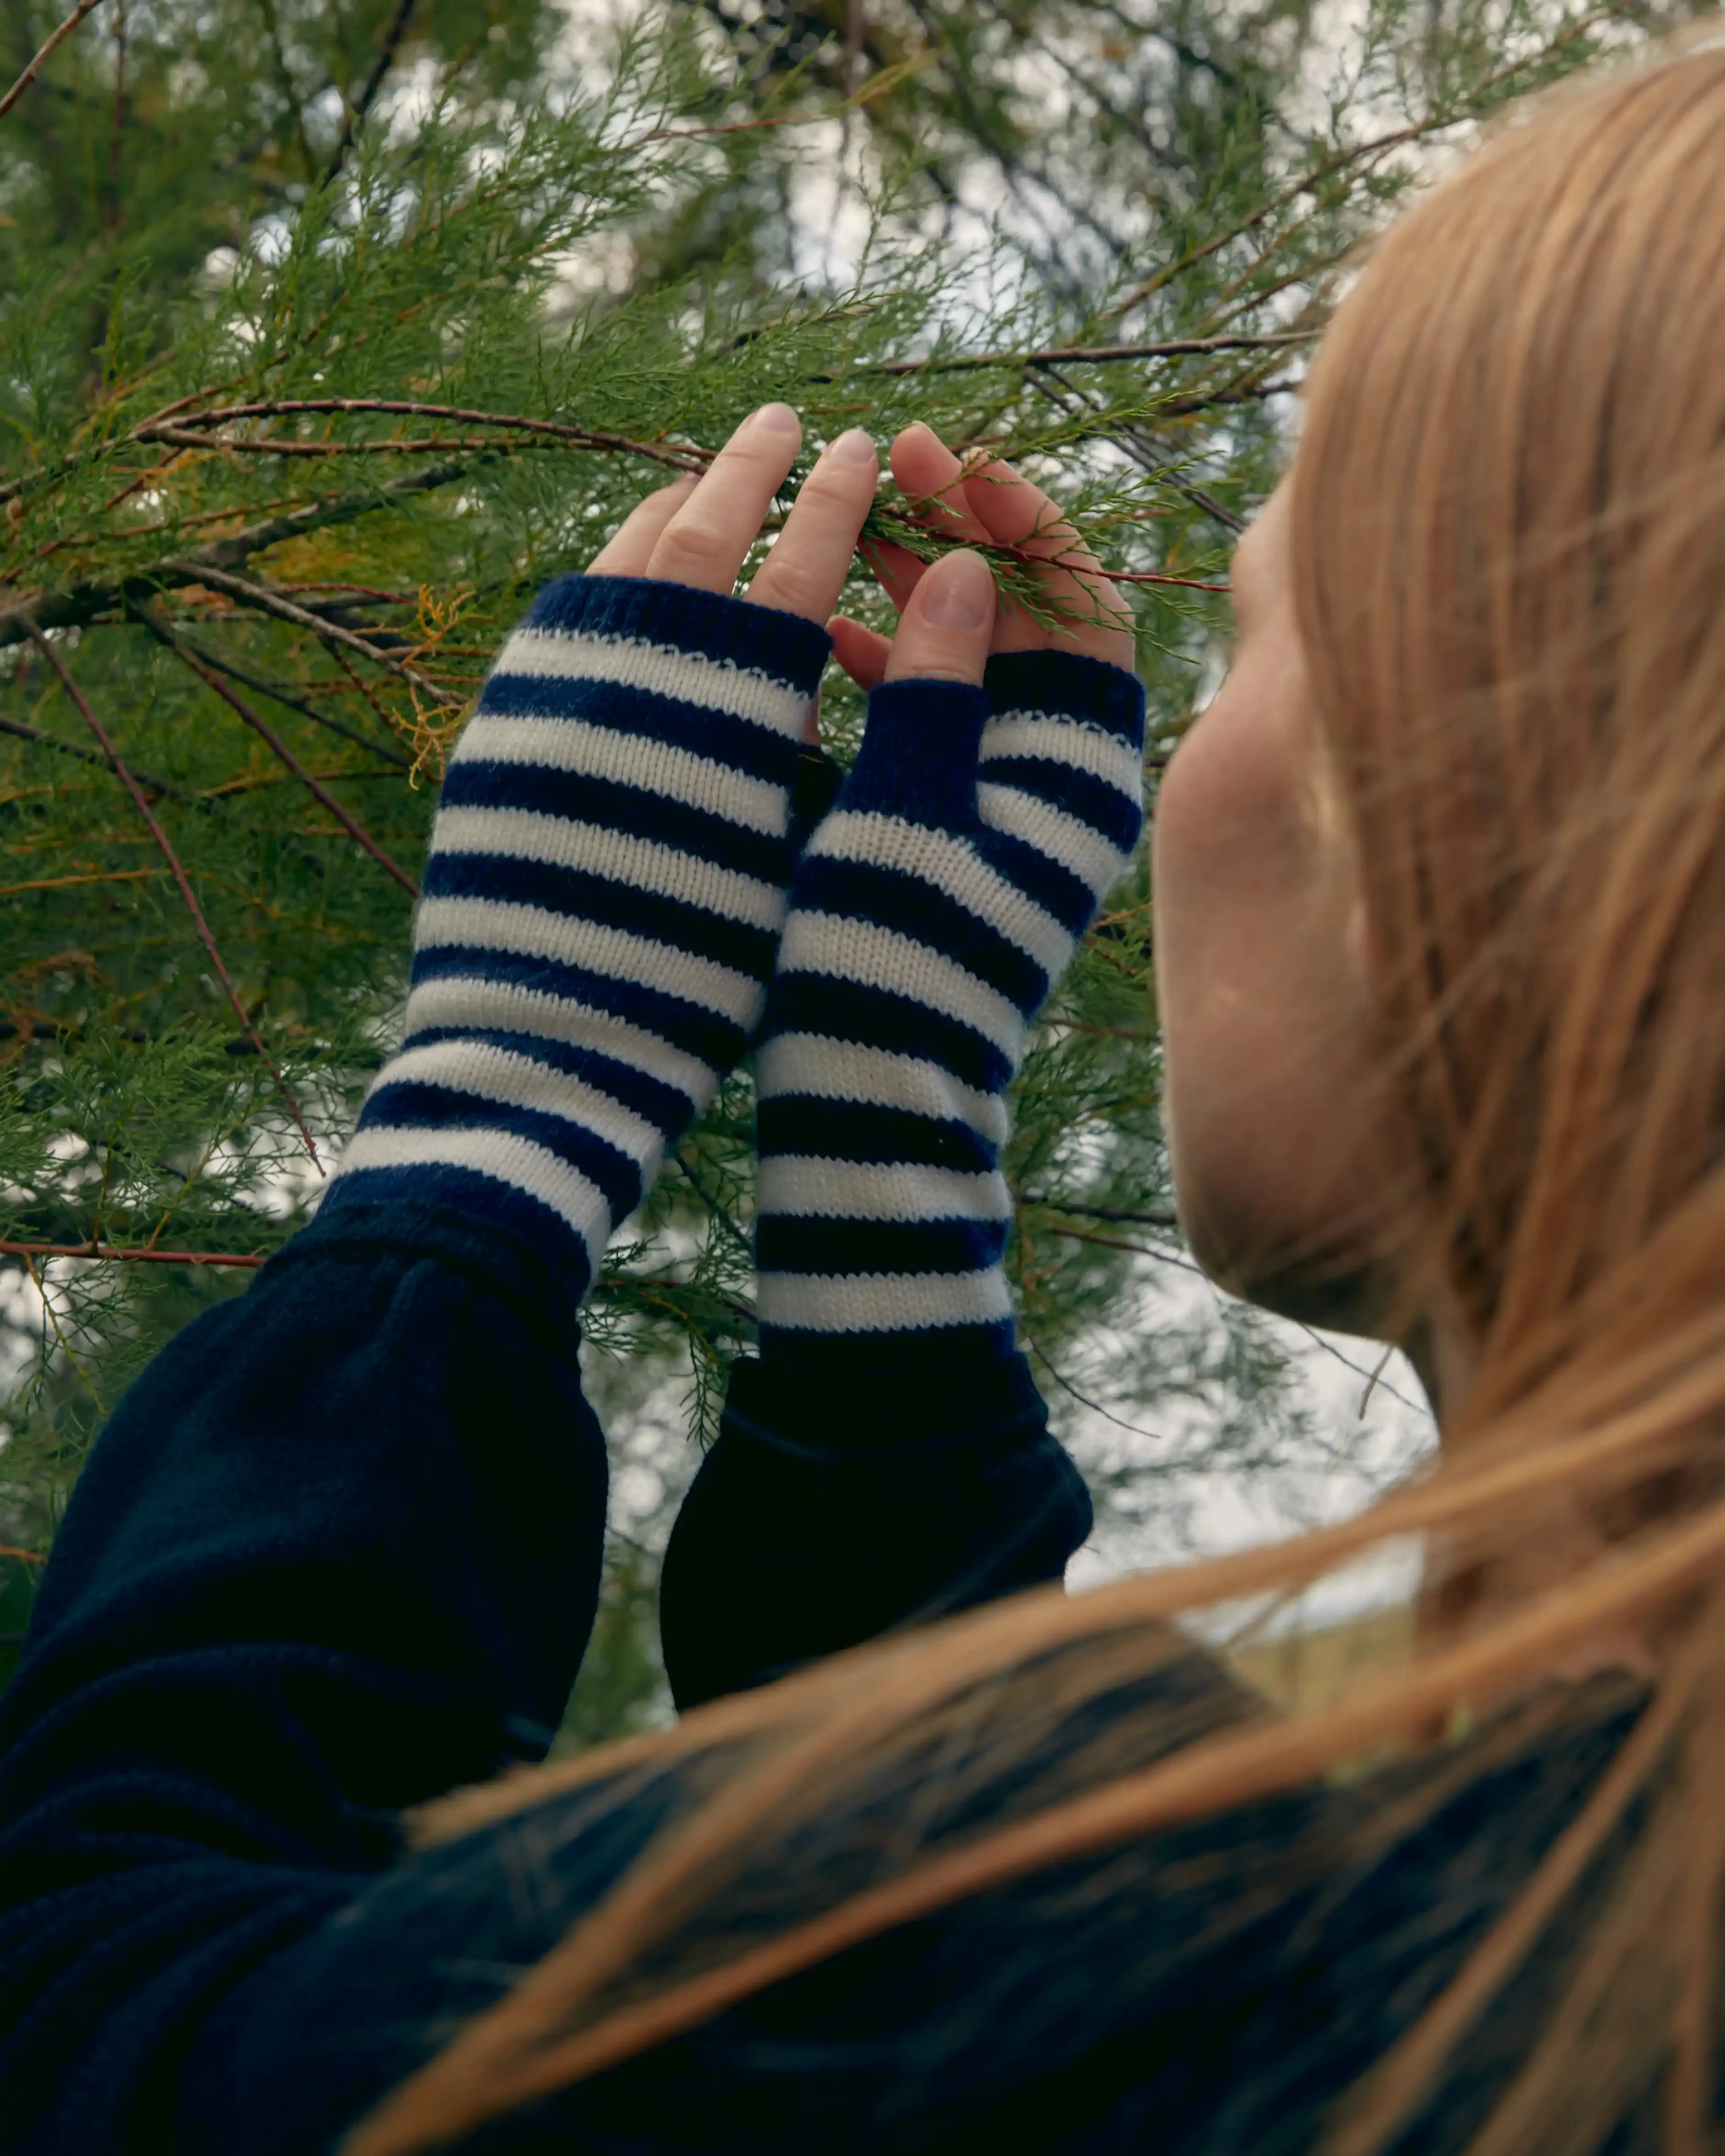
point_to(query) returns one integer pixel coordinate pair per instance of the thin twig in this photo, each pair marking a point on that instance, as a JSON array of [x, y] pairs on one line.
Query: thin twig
[[58, 37], [1167, 1219], [21, 1557], [180, 877], [278, 748], [266, 601], [95, 1251], [1094, 355], [278, 693], [389, 45], [681, 459], [82, 603], [43, 739]]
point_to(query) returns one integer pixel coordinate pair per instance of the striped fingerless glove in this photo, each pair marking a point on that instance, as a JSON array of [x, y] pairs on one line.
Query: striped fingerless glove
[[930, 916], [603, 898]]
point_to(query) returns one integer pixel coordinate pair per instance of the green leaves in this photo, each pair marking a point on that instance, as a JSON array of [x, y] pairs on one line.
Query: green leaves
[[300, 401]]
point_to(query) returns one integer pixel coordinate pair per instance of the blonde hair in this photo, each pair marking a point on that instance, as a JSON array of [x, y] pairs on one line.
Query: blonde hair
[[1509, 536]]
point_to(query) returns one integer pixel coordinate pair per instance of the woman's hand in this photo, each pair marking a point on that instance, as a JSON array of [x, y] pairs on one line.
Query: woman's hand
[[698, 531], [950, 619]]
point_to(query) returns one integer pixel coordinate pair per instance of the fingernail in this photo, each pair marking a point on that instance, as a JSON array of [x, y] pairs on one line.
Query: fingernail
[[958, 593], [852, 447], [776, 419]]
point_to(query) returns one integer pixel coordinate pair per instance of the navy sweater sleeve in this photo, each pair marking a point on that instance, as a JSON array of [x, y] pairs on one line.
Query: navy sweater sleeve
[[338, 1550]]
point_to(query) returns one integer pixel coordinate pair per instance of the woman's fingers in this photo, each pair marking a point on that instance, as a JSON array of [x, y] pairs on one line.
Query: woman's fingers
[[705, 541], [806, 571], [948, 622], [630, 547], [932, 480], [862, 652], [1017, 513]]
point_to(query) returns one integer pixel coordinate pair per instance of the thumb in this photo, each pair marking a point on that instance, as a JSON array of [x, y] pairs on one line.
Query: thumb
[[948, 622]]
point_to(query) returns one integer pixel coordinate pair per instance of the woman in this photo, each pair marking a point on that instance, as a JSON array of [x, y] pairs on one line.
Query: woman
[[1441, 918]]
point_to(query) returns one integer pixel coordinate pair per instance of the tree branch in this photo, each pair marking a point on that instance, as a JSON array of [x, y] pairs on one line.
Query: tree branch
[[58, 37], [680, 458], [180, 877], [388, 46], [278, 748], [278, 692], [260, 598], [1077, 355], [104, 1250], [43, 739], [78, 605]]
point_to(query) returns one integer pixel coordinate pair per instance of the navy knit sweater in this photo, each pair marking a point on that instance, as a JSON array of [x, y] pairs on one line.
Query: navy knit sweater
[[338, 1550]]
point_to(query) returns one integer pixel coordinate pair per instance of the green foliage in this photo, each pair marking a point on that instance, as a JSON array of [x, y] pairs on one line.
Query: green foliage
[[331, 329]]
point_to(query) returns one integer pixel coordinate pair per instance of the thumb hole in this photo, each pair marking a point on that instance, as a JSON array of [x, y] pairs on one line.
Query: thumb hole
[[948, 622]]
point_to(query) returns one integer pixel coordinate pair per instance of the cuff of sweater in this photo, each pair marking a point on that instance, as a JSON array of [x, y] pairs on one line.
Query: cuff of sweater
[[1067, 686], [769, 662], [515, 1248], [841, 1394]]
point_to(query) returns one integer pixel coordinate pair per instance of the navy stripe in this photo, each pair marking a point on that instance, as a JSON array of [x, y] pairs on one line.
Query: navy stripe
[[861, 891], [732, 632], [1118, 816], [1066, 684], [612, 806], [876, 1017], [648, 1097], [575, 898], [466, 1194], [866, 1132], [806, 1243], [707, 1034], [1045, 881], [413, 1106], [646, 715]]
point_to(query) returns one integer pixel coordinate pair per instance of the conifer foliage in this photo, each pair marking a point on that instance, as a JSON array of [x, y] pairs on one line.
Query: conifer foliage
[[329, 329]]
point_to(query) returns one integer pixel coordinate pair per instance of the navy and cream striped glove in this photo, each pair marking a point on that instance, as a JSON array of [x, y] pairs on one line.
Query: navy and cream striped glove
[[603, 900], [931, 915]]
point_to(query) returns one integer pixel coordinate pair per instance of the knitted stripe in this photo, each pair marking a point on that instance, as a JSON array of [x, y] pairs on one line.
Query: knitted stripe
[[930, 916], [603, 897]]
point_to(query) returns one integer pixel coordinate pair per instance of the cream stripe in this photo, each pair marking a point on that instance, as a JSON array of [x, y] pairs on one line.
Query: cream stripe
[[656, 766], [505, 1007], [1075, 844], [715, 684], [495, 1075], [486, 924], [881, 1302], [845, 1190], [1067, 742], [506, 1158], [861, 954], [952, 865], [823, 1070], [524, 834]]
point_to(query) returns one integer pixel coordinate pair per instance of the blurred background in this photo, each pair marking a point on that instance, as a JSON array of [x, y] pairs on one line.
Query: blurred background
[[329, 329]]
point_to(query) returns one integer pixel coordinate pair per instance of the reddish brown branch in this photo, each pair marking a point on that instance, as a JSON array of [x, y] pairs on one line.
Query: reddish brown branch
[[680, 458], [22, 1556], [265, 601], [388, 46], [58, 37], [151, 1257], [43, 739], [180, 877], [278, 748], [74, 608], [1091, 355]]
